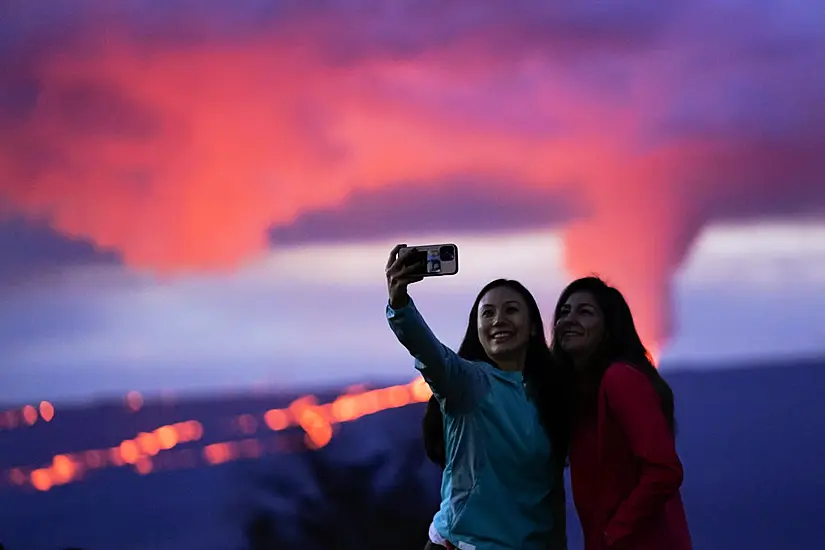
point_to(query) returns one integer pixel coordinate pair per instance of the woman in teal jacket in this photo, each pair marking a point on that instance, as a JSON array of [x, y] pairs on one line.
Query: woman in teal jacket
[[505, 415]]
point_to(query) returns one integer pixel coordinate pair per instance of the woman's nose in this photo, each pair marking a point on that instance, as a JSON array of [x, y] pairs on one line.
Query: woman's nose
[[566, 322]]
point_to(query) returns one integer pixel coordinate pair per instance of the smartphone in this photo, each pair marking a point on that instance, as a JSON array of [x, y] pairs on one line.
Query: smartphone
[[436, 259]]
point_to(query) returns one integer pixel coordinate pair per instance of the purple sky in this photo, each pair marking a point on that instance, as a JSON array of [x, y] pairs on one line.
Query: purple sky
[[202, 143]]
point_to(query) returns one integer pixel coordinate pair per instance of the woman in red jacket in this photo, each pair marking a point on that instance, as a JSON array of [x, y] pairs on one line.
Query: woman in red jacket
[[624, 469]]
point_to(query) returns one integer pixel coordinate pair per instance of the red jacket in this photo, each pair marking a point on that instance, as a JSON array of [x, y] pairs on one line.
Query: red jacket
[[624, 469]]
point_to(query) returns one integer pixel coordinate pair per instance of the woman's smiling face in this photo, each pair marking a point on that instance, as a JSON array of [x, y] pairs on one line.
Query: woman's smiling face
[[580, 328], [503, 324]]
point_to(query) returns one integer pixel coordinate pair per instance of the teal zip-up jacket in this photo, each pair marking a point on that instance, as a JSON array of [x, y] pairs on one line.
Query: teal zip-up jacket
[[497, 484]]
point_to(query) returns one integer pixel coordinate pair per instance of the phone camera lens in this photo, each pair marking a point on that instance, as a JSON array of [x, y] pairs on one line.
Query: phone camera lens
[[446, 254]]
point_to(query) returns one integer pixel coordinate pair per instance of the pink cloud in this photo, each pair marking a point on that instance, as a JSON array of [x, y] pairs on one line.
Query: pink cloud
[[181, 150]]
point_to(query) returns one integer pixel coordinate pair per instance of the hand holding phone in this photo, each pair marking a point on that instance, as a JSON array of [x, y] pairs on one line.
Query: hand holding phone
[[435, 260], [410, 264]]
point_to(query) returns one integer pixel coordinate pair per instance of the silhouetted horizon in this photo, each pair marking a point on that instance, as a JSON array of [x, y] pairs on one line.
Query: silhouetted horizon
[[749, 438]]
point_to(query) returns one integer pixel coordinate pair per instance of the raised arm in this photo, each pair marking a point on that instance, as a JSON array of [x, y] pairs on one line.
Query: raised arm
[[451, 378], [636, 406], [457, 380]]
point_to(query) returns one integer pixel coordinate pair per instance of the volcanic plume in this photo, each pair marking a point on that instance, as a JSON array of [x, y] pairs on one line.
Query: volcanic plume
[[179, 139]]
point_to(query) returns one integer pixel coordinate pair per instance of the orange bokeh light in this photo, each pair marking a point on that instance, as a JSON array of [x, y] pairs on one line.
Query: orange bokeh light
[[318, 437], [167, 437], [63, 469], [116, 456], [316, 420], [345, 408], [129, 451], [148, 443], [313, 419], [46, 411], [276, 419], [144, 465], [29, 414], [41, 479], [398, 396], [218, 453], [197, 429], [191, 430], [420, 390]]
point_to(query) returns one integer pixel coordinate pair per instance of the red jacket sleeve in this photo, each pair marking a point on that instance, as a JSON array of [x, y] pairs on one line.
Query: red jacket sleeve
[[636, 406]]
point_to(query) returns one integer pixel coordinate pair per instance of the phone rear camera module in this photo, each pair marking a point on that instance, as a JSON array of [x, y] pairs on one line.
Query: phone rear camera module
[[446, 254]]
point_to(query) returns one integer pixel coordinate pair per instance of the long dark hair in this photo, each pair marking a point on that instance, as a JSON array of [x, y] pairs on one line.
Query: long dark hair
[[547, 383], [621, 341], [433, 428]]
